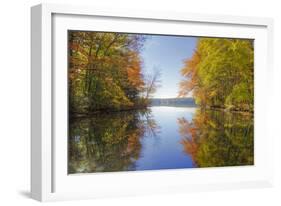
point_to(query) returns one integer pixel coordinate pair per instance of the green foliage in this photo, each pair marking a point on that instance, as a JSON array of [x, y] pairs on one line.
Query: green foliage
[[105, 71], [221, 73]]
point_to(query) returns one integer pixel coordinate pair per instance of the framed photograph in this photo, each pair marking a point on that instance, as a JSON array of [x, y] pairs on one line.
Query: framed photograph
[[136, 102]]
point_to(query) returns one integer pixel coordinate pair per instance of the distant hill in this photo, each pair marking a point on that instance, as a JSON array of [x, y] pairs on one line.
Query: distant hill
[[178, 102]]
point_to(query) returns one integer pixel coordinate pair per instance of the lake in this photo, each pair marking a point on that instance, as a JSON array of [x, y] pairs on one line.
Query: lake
[[160, 138]]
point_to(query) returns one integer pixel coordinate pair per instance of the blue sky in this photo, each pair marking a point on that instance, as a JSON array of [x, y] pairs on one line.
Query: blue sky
[[167, 54]]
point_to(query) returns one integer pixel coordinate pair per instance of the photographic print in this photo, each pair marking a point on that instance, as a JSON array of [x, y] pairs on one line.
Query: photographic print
[[148, 102]]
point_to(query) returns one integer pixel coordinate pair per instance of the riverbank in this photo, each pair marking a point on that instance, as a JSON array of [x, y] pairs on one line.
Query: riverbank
[[232, 110], [74, 114]]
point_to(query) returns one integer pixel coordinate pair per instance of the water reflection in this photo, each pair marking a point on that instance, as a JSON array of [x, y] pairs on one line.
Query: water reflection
[[216, 138], [108, 142], [159, 138]]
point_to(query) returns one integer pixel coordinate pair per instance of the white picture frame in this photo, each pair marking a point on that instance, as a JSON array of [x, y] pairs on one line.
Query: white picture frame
[[49, 179]]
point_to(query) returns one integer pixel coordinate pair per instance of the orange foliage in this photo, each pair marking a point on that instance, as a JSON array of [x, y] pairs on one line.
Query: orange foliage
[[134, 71], [189, 71]]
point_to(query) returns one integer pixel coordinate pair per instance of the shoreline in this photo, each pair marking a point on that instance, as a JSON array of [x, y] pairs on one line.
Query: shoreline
[[98, 112], [223, 109]]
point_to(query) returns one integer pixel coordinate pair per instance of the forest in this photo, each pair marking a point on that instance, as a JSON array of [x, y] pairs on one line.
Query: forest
[[220, 74], [105, 72]]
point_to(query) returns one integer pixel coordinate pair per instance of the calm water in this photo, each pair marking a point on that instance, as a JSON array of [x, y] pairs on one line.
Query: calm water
[[160, 138]]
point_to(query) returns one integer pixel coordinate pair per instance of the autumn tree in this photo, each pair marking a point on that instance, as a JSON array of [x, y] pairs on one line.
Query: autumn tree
[[105, 71], [220, 73]]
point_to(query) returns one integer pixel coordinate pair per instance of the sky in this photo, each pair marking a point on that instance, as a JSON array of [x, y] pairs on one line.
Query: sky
[[167, 53]]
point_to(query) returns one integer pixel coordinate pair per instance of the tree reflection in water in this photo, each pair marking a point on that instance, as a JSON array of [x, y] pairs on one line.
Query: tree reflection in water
[[108, 142], [217, 138]]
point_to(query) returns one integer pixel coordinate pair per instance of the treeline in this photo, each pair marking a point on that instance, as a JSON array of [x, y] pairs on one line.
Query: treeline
[[176, 102], [221, 74], [105, 72]]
